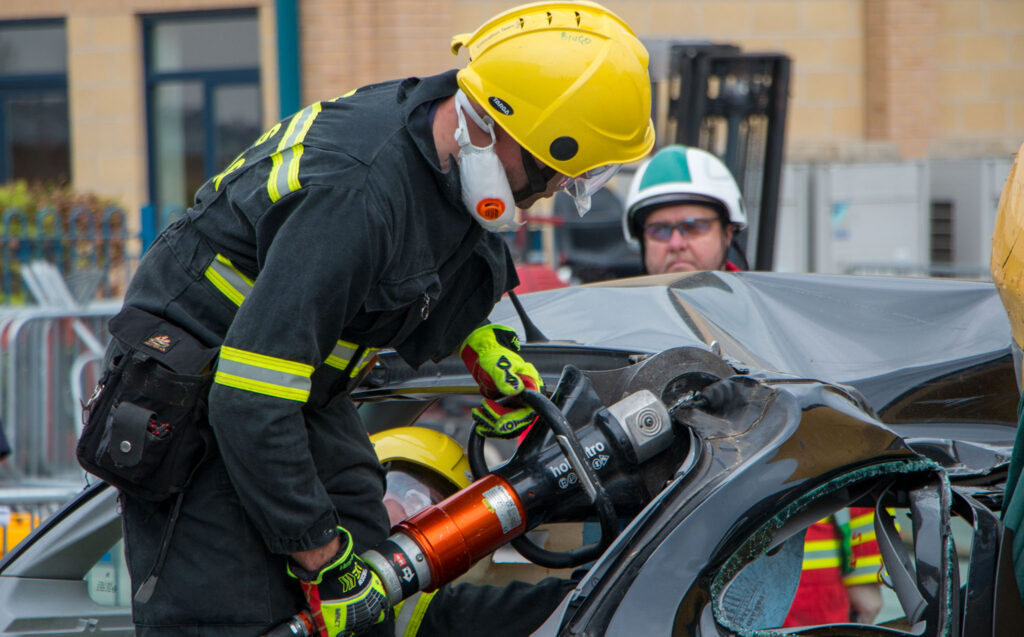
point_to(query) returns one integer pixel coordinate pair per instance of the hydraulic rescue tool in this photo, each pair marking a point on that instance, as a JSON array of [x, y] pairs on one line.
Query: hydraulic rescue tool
[[589, 458], [593, 458]]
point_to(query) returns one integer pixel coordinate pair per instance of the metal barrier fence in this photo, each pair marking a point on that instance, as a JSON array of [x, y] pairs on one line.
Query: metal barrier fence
[[54, 268], [81, 243], [51, 356], [50, 359]]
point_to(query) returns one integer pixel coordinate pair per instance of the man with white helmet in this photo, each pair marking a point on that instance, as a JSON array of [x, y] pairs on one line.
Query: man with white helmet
[[358, 223], [684, 208]]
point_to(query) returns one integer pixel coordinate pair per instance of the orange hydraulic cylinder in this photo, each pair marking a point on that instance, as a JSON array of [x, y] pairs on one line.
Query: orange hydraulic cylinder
[[457, 532]]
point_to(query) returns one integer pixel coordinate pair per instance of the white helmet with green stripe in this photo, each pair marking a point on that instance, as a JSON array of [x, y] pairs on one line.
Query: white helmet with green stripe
[[677, 175]]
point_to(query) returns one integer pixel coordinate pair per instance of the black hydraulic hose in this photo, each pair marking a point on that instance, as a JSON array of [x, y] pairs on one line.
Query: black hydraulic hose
[[477, 465], [574, 453], [530, 329], [566, 436]]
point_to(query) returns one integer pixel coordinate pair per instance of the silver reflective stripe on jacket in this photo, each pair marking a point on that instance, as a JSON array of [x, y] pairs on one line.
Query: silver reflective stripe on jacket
[[230, 281]]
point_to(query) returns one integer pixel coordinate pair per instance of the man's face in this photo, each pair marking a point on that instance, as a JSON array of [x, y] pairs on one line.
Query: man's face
[[510, 154], [667, 249]]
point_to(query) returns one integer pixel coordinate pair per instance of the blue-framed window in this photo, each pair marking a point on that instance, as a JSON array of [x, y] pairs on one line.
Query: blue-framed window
[[202, 98], [34, 131]]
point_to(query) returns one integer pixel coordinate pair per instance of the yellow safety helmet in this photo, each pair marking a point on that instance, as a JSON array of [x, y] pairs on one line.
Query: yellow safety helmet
[[568, 81], [425, 448]]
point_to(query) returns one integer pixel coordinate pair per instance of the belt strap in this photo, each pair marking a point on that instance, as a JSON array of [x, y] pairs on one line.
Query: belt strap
[[146, 590]]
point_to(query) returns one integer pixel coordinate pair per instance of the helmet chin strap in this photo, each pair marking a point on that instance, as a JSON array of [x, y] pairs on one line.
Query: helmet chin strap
[[538, 177]]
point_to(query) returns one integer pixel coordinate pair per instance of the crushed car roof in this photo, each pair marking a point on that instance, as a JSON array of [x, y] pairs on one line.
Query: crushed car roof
[[886, 336]]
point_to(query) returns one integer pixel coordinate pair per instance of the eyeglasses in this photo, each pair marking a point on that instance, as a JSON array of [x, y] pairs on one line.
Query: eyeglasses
[[693, 227]]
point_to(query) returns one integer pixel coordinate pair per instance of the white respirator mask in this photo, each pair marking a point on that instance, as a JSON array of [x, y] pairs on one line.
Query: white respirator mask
[[485, 188]]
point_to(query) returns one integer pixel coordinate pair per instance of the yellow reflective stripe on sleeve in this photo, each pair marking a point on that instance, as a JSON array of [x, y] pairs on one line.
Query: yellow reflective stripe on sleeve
[[866, 578], [276, 161], [866, 571], [873, 561], [819, 554], [868, 519], [350, 93], [819, 563], [285, 181], [263, 374], [233, 166], [341, 356], [265, 362], [367, 357], [289, 151], [409, 614], [863, 538], [259, 387], [228, 279], [293, 168], [821, 545]]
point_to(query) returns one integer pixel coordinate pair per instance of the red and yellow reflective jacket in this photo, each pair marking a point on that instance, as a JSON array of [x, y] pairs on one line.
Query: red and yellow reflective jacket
[[839, 551]]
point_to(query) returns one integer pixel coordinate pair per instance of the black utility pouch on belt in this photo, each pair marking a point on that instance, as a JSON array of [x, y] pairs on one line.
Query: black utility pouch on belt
[[146, 427]]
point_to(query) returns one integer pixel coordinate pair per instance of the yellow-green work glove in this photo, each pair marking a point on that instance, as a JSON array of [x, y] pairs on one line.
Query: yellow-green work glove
[[345, 596], [491, 354], [494, 420]]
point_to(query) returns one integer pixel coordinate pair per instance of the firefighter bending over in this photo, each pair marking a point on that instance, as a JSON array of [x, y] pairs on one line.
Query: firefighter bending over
[[359, 223]]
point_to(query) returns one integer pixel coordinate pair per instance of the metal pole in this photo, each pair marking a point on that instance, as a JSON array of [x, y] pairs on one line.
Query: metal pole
[[289, 71]]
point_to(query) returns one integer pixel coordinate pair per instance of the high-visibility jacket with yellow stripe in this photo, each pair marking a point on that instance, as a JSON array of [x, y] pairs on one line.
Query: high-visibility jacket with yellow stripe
[[839, 551], [333, 235], [842, 548]]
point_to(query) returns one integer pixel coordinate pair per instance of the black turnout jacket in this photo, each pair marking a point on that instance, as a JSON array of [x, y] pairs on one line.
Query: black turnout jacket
[[335, 233]]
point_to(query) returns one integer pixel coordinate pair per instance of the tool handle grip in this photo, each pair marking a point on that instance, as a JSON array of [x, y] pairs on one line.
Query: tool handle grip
[[299, 625]]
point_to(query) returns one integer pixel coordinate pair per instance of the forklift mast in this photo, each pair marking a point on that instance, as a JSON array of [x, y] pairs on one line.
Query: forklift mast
[[732, 104]]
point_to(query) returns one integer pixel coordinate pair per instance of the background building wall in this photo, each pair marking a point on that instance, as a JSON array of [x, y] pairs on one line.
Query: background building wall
[[873, 80], [981, 78], [106, 84], [350, 43]]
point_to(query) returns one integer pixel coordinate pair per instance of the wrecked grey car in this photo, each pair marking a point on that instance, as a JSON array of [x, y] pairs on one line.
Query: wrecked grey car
[[894, 394]]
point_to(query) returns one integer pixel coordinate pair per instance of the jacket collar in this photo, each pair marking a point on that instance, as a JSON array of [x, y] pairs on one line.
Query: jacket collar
[[415, 95]]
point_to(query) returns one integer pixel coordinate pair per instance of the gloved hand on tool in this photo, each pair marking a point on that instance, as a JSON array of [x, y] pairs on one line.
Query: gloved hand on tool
[[491, 354], [345, 595]]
